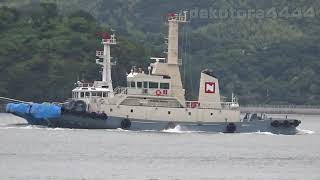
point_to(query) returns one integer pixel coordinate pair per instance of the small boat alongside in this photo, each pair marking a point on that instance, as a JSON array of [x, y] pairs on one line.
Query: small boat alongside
[[151, 101]]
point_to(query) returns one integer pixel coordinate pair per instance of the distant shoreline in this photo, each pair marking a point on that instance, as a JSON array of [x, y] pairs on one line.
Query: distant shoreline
[[281, 109]]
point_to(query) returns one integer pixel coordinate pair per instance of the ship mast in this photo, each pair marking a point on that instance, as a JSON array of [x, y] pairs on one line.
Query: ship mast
[[171, 66], [173, 36], [173, 61], [107, 41]]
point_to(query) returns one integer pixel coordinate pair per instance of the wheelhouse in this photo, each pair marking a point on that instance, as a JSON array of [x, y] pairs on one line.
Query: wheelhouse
[[139, 83], [89, 90]]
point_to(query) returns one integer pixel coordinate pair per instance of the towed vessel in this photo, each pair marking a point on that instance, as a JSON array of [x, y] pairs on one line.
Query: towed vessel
[[152, 100]]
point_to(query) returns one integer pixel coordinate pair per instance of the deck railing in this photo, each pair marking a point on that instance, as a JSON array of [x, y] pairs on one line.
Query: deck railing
[[210, 105], [121, 90], [99, 53], [84, 84], [188, 104]]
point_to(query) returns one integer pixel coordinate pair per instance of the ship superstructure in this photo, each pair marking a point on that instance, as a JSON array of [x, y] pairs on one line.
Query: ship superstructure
[[156, 95], [103, 88]]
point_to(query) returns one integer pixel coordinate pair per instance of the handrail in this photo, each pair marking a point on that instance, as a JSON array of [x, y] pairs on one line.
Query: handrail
[[85, 85], [110, 41], [99, 53], [12, 100], [120, 90], [211, 105]]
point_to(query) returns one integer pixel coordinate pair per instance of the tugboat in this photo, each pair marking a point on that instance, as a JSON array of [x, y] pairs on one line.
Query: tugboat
[[151, 101]]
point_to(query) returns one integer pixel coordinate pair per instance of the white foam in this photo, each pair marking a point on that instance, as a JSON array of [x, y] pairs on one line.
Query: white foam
[[179, 130], [305, 131], [261, 133], [21, 127], [264, 133], [34, 127], [30, 127], [60, 129], [150, 131], [176, 129], [119, 129]]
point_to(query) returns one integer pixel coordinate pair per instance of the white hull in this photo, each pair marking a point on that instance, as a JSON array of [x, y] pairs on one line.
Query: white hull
[[171, 114]]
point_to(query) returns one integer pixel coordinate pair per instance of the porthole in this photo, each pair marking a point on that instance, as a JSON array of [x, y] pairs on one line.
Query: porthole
[[111, 110], [131, 110], [211, 114], [189, 113], [169, 112]]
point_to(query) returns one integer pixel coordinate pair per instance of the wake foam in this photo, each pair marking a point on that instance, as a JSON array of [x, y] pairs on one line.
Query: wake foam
[[33, 127], [21, 127], [305, 131], [260, 133], [179, 130], [118, 129], [176, 129]]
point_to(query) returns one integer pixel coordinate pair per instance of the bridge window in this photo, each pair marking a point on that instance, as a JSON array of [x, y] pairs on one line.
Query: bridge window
[[153, 85], [133, 84], [139, 84], [145, 85], [82, 94], [87, 94], [164, 86], [99, 94], [105, 94], [94, 94]]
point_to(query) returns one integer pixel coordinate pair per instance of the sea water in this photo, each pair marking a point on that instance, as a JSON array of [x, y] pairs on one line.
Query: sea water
[[36, 153]]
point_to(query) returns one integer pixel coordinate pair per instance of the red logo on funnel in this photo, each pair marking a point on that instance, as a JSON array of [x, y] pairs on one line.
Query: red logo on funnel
[[210, 87]]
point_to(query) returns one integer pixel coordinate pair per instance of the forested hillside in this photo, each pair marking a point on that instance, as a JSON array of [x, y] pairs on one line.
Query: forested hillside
[[42, 54], [264, 51]]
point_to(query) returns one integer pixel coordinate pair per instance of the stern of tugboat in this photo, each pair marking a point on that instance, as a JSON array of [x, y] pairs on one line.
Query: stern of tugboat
[[263, 123]]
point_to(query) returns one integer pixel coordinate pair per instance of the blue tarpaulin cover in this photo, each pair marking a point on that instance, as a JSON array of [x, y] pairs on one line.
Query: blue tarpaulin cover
[[39, 111], [45, 111], [20, 108]]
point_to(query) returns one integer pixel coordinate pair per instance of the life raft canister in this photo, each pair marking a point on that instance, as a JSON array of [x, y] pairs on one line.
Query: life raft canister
[[102, 116], [158, 92], [79, 107], [68, 106]]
